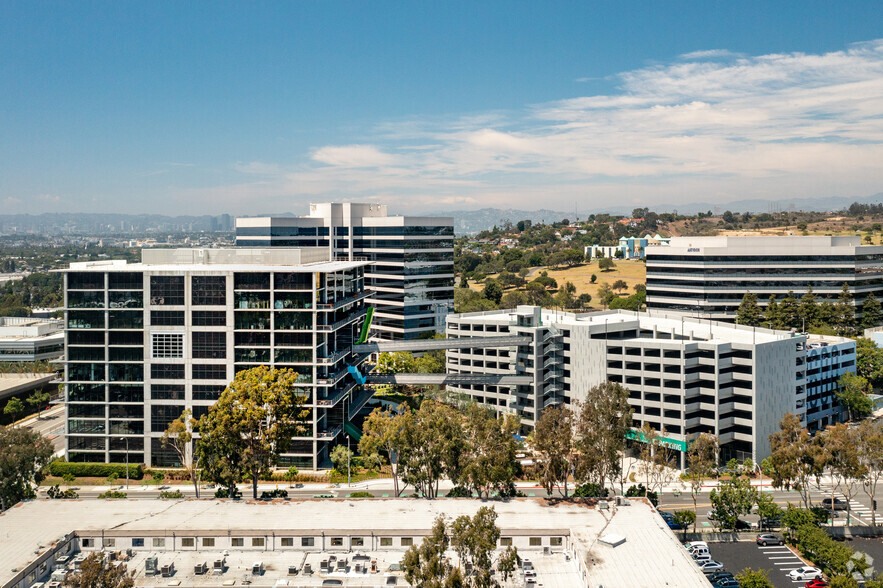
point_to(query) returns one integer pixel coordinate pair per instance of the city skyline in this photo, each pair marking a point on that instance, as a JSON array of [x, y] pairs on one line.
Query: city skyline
[[210, 109]]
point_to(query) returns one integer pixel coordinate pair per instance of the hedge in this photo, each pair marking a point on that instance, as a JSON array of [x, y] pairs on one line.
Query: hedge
[[94, 470]]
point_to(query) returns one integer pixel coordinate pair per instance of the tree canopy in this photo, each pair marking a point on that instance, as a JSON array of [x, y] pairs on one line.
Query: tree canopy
[[250, 425]]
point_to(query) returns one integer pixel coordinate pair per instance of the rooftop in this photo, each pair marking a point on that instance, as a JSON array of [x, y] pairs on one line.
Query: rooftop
[[689, 327], [283, 259], [650, 556]]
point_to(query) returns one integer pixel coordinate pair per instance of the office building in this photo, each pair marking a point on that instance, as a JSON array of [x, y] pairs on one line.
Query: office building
[[354, 543], [147, 340], [30, 339], [685, 376], [708, 276], [411, 276]]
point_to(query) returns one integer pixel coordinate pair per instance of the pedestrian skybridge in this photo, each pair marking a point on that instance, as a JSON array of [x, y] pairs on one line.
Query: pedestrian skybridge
[[435, 344]]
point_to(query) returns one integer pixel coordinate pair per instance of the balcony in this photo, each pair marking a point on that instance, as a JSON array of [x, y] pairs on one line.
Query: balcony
[[342, 322], [330, 434], [343, 301]]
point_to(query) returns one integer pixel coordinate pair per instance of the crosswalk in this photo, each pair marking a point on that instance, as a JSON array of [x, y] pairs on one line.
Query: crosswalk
[[858, 511], [784, 561]]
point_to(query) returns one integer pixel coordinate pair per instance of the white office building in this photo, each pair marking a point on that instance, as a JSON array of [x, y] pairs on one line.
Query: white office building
[[685, 376], [411, 276], [145, 341], [30, 339], [708, 276]]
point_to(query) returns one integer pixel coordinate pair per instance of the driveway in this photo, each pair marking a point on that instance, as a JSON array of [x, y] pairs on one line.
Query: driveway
[[776, 560]]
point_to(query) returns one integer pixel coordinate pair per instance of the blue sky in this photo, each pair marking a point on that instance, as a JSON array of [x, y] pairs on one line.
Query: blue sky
[[251, 107]]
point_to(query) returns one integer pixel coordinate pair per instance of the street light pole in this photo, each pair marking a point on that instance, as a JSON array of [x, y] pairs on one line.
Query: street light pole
[[126, 439], [349, 480]]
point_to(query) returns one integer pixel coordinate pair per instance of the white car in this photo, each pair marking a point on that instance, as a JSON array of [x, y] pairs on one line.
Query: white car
[[711, 566], [693, 544], [805, 573]]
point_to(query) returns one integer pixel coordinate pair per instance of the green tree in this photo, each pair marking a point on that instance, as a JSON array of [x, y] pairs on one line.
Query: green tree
[[37, 400], [508, 562], [430, 362], [426, 564], [381, 433], [603, 420], [487, 461], [794, 458], [593, 278], [732, 499], [474, 540], [23, 455], [341, 456], [749, 578], [179, 436], [701, 461], [605, 264], [789, 311], [619, 285], [250, 425], [841, 444], [96, 571], [808, 310], [606, 294], [844, 581], [872, 314], [553, 440], [396, 362], [749, 313], [870, 455], [291, 474], [14, 408], [869, 361], [852, 392], [773, 315], [684, 518], [845, 311], [493, 291], [431, 444], [767, 507]]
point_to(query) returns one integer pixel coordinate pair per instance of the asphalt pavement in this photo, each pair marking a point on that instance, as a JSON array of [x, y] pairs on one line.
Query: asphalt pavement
[[50, 424], [776, 560]]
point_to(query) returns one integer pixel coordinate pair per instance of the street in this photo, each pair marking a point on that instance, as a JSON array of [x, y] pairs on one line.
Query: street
[[50, 424]]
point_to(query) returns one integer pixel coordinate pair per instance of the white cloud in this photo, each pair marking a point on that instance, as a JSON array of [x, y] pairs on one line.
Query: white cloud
[[710, 125], [352, 156]]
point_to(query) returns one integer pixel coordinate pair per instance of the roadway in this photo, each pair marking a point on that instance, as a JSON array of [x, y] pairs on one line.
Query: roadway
[[860, 506], [50, 424]]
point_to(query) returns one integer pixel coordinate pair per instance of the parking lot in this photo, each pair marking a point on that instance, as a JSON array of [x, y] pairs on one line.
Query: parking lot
[[776, 560]]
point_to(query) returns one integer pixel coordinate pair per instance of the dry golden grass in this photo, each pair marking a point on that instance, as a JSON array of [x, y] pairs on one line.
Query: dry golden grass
[[631, 272]]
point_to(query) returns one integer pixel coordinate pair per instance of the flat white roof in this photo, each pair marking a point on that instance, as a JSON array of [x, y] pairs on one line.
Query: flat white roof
[[650, 556], [694, 328]]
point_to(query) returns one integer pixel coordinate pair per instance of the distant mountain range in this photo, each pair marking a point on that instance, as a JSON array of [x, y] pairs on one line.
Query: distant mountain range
[[468, 222]]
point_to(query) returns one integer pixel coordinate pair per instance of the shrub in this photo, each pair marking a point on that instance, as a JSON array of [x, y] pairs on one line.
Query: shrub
[[277, 493], [55, 493], [590, 491], [94, 470], [69, 479], [361, 495], [157, 476], [459, 492], [112, 494], [165, 494], [639, 490], [224, 493]]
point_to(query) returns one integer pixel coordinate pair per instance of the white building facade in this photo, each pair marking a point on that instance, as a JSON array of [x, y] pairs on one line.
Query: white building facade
[[146, 341], [708, 276], [685, 376], [411, 276]]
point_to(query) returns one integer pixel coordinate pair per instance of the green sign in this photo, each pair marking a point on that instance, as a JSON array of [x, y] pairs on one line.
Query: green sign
[[637, 435]]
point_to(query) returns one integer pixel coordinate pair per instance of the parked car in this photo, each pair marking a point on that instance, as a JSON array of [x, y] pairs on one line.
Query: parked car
[[816, 584], [711, 565], [716, 576], [701, 558], [769, 539], [693, 544], [674, 525], [766, 523], [835, 504], [726, 583], [805, 573]]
